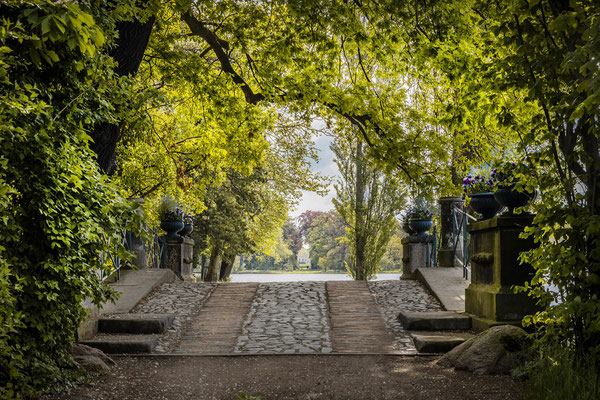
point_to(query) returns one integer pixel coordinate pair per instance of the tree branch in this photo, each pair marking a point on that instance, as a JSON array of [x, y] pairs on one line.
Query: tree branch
[[217, 46]]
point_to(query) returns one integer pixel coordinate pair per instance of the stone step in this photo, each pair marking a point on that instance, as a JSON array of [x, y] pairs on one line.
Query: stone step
[[434, 321], [123, 344], [438, 342], [135, 323]]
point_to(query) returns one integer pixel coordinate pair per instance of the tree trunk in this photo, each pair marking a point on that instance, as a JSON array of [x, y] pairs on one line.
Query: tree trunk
[[128, 53], [214, 267], [359, 256], [226, 267]]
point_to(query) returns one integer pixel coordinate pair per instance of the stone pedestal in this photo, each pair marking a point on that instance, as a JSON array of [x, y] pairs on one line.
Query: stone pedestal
[[494, 249], [415, 250], [447, 234], [179, 258], [140, 256]]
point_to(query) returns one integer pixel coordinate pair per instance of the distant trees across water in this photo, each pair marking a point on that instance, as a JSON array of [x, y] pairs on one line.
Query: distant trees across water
[[313, 242]]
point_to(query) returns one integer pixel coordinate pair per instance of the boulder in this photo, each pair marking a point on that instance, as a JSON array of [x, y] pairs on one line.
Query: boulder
[[91, 364], [495, 351], [90, 359]]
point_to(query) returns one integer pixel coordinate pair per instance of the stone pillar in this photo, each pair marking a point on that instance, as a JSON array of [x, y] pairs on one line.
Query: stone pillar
[[137, 245], [446, 250], [494, 249], [140, 256], [179, 253], [414, 254]]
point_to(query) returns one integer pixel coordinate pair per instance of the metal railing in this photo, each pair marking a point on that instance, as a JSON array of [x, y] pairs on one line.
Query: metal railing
[[431, 251], [112, 257], [460, 239], [157, 251]]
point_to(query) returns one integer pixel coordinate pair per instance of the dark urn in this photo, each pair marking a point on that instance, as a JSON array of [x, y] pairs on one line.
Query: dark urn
[[509, 197], [420, 225], [485, 204], [171, 227]]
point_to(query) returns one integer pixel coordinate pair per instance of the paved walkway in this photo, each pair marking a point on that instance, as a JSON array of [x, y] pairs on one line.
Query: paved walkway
[[447, 284], [288, 318]]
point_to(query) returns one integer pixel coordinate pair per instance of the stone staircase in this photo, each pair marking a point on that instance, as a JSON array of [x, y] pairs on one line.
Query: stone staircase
[[129, 333], [438, 331]]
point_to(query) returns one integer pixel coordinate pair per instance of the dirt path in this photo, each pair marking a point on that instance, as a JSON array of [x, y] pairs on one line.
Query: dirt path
[[310, 377]]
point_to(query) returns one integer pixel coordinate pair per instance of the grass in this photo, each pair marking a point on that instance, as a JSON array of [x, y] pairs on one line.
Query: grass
[[557, 376]]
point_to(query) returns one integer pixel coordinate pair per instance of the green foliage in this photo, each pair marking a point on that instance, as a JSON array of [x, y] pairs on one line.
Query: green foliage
[[557, 375], [57, 213], [368, 202], [527, 71], [327, 249], [392, 258], [169, 210], [246, 396]]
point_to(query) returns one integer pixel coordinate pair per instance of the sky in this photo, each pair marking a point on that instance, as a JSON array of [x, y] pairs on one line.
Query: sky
[[325, 166]]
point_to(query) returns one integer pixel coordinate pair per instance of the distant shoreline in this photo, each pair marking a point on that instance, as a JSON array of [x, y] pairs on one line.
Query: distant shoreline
[[305, 272]]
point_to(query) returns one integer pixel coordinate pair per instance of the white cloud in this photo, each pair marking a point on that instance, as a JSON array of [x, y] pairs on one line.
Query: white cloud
[[325, 166]]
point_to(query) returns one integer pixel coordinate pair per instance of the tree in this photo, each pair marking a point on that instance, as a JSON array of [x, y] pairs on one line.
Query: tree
[[392, 258], [368, 202], [293, 239], [241, 217], [327, 250]]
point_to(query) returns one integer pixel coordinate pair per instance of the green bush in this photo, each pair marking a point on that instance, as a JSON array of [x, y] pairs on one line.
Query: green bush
[[57, 212]]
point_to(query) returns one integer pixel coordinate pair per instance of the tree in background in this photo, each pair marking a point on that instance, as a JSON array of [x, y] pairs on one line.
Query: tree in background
[[327, 250], [368, 202], [293, 238], [242, 216], [392, 258], [306, 221]]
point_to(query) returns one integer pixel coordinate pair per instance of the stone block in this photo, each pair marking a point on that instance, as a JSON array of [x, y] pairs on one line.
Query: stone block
[[432, 342], [179, 255], [414, 250], [123, 344], [135, 323], [434, 321]]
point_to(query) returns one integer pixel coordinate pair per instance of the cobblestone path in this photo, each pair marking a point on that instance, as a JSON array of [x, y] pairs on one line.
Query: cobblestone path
[[216, 327], [393, 296], [184, 299], [288, 317]]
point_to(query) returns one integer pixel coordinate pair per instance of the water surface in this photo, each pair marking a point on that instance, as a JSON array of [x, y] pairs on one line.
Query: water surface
[[302, 277]]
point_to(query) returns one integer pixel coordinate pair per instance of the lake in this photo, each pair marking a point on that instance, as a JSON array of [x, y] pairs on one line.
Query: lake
[[302, 277]]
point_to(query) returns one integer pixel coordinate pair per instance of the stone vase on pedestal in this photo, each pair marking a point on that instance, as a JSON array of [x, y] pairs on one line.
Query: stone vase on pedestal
[[494, 249]]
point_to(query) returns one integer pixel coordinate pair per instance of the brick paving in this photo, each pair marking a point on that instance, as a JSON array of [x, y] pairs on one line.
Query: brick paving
[[356, 324], [287, 317], [216, 327]]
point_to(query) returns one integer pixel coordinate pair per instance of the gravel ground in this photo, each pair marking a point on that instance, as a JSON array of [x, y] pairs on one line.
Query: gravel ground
[[310, 377]]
